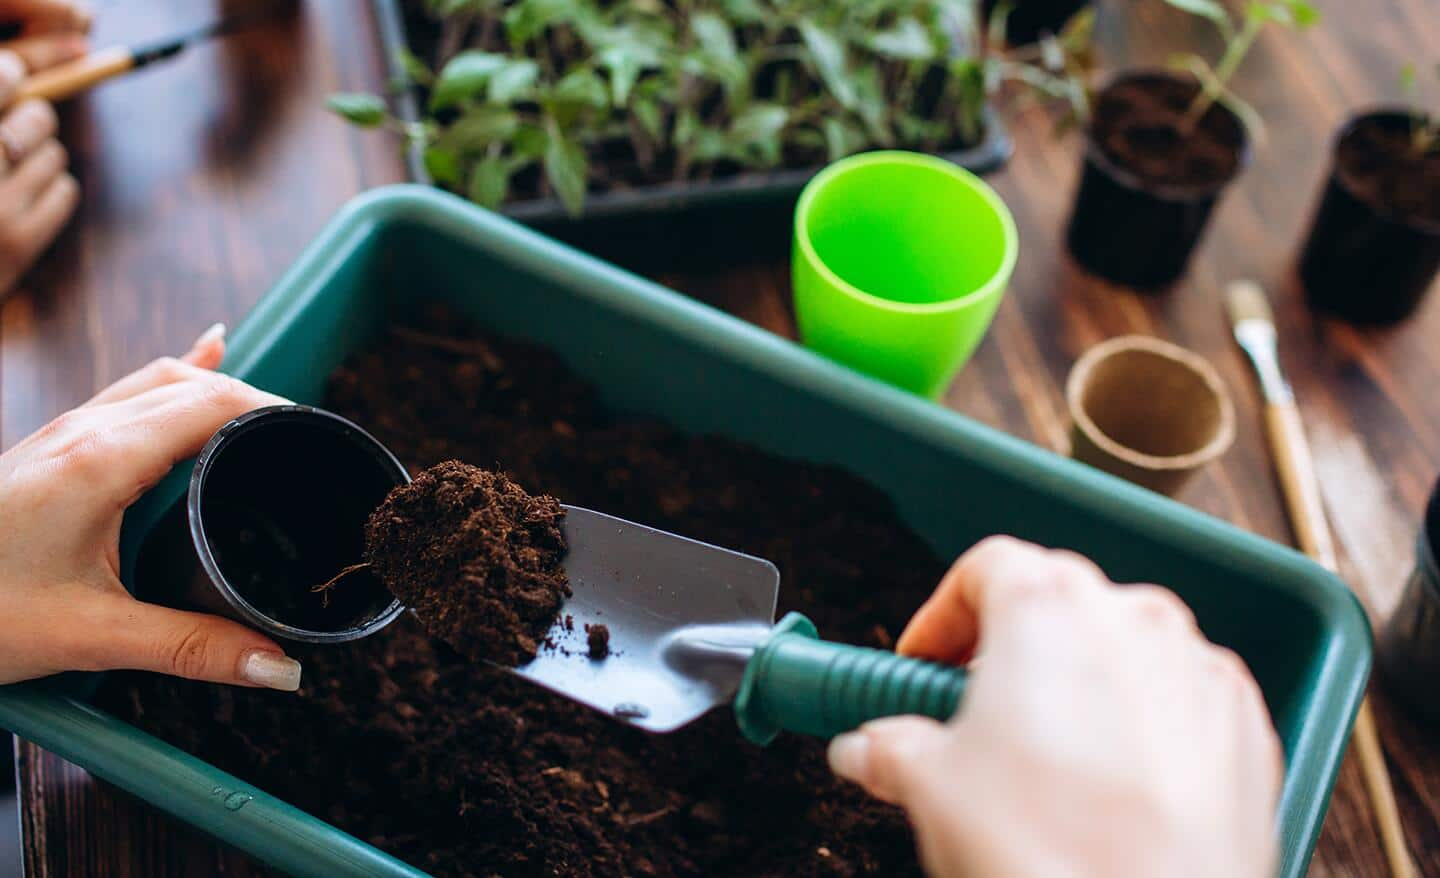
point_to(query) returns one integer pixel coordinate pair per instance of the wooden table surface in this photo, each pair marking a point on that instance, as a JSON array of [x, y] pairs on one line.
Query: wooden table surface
[[203, 179]]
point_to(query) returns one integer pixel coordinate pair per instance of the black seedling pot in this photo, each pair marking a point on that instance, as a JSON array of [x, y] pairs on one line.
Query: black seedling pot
[[1133, 232], [1361, 261], [277, 506], [1408, 646]]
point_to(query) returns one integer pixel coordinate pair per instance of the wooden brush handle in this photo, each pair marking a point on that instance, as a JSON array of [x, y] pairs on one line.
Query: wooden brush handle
[[1298, 481], [72, 77], [1382, 795], [1301, 487]]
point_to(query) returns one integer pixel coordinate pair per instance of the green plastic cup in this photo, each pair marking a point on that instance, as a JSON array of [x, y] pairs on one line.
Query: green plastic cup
[[900, 261]]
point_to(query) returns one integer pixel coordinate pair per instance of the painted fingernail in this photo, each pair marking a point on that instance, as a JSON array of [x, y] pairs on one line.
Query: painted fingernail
[[848, 754], [209, 336], [271, 670]]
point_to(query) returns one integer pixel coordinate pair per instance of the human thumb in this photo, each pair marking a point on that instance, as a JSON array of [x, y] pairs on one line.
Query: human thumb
[[890, 758], [196, 645]]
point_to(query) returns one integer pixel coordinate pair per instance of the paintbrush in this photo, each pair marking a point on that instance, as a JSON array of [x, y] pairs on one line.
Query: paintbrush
[[72, 77], [1254, 326]]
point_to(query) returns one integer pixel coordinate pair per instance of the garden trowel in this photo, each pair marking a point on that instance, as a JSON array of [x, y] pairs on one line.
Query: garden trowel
[[692, 627]]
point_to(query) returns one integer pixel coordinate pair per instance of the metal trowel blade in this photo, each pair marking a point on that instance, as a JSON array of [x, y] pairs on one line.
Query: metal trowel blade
[[683, 616]]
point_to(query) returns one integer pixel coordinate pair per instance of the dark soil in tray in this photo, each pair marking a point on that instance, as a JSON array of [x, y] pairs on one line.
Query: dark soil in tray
[[1379, 162], [1139, 126], [477, 558], [465, 770]]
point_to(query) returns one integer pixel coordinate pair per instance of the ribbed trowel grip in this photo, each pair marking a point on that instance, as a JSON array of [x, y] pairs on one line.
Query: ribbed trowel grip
[[798, 683]]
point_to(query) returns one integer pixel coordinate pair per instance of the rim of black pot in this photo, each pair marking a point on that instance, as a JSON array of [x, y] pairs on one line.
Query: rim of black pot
[[200, 474], [1163, 191], [1393, 113]]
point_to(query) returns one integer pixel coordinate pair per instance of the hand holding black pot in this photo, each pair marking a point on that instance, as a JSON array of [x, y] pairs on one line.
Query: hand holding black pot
[[63, 492]]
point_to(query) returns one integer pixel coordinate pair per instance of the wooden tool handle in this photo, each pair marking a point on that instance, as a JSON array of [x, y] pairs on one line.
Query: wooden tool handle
[[72, 77], [1298, 481], [1301, 487], [1382, 795]]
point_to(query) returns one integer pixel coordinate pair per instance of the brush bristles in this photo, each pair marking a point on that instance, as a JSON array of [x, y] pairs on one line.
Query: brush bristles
[[1246, 301]]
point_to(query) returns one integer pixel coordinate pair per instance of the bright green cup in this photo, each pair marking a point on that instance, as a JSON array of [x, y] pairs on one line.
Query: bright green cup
[[900, 261]]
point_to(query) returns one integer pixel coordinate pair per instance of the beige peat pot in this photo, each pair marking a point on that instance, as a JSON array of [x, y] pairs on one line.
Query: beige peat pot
[[1148, 411]]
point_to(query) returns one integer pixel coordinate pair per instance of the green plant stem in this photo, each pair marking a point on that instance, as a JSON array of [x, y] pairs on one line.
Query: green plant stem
[[1235, 53]]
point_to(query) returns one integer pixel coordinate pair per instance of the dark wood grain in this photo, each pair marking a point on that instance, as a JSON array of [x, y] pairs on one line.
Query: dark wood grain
[[205, 178]]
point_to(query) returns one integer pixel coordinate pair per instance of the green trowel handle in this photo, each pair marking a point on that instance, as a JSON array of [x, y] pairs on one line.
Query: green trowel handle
[[799, 683]]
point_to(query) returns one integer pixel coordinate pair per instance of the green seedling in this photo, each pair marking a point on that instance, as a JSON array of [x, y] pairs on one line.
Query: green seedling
[[1424, 126], [684, 90], [1057, 69], [1239, 37]]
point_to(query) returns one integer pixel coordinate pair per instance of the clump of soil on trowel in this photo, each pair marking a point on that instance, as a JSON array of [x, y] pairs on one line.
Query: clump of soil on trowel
[[467, 770], [475, 557], [597, 641]]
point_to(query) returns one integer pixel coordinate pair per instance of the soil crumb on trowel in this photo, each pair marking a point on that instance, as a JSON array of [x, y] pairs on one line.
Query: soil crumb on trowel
[[597, 637], [477, 558]]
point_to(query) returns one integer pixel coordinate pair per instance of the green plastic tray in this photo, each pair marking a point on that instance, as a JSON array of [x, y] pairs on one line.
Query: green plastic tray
[[650, 350]]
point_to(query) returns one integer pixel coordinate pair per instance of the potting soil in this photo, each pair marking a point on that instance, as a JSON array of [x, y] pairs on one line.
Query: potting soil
[[597, 639], [476, 558], [465, 770], [1382, 165], [1139, 125]]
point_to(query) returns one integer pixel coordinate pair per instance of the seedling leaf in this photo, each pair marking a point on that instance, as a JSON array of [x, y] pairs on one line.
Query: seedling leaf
[[443, 165], [489, 182], [828, 55], [513, 81], [566, 171], [715, 36], [908, 39], [481, 127], [464, 77], [365, 110], [415, 69], [1210, 9], [647, 112], [841, 138]]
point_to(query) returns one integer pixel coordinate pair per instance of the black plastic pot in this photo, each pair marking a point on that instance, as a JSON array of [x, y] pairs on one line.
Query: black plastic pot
[[1361, 262], [738, 219], [1031, 19], [1408, 647], [1132, 232], [277, 505]]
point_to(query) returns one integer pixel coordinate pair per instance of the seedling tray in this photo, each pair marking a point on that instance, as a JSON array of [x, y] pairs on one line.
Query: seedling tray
[[668, 226], [652, 352]]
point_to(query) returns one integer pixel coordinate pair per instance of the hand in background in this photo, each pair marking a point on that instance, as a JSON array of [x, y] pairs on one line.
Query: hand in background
[[37, 196], [63, 491], [1101, 734]]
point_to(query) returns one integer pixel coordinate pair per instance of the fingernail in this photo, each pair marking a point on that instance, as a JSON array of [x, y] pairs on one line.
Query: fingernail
[[12, 69], [848, 754], [209, 336], [271, 670]]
